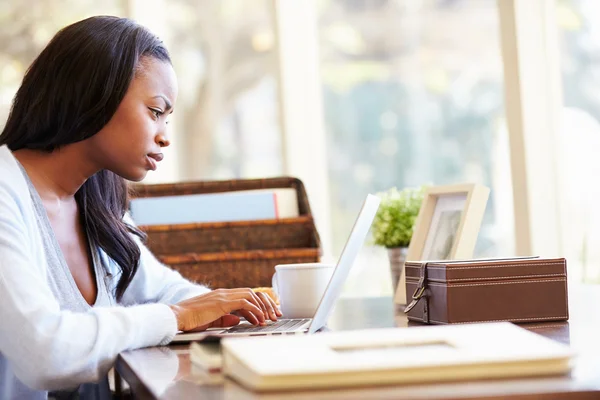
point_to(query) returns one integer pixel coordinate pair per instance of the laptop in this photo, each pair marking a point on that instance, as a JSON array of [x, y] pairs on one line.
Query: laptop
[[332, 292]]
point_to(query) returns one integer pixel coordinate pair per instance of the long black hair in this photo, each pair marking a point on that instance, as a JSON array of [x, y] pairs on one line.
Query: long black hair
[[68, 94]]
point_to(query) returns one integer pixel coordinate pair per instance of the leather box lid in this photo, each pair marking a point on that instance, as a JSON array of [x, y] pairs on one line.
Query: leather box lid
[[484, 270]]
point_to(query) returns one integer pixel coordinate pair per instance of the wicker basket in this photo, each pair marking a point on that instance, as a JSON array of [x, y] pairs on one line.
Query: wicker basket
[[233, 254], [237, 268]]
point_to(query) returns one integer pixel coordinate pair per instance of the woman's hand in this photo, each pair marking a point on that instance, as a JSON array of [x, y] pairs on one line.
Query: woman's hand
[[269, 307], [215, 309]]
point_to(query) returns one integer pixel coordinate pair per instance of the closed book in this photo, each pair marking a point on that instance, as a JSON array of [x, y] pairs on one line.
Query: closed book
[[244, 205], [392, 356], [206, 355]]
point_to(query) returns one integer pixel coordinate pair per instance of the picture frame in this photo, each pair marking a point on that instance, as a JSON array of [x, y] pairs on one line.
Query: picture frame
[[447, 226]]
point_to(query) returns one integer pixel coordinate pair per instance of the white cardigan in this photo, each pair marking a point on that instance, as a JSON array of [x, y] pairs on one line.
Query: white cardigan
[[47, 348]]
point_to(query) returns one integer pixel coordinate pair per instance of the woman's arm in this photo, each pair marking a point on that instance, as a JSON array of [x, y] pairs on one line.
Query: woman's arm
[[157, 283], [195, 306], [53, 349]]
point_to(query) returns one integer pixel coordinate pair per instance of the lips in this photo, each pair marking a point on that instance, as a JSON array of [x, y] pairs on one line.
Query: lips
[[153, 159], [156, 156]]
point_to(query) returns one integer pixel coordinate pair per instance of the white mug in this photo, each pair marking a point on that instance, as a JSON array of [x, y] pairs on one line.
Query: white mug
[[300, 287]]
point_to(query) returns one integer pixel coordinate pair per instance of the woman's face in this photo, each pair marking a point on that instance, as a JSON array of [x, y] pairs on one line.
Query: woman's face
[[130, 144]]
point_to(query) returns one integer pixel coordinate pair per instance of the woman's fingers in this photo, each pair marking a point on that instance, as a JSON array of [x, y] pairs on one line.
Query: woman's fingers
[[261, 303], [275, 306], [214, 309], [250, 296], [251, 312], [225, 321], [271, 308], [266, 305], [249, 317], [257, 299]]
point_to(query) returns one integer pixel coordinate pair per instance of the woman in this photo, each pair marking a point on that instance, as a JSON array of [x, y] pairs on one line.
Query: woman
[[77, 286]]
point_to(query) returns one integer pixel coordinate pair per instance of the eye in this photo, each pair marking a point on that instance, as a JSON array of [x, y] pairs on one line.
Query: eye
[[155, 112]]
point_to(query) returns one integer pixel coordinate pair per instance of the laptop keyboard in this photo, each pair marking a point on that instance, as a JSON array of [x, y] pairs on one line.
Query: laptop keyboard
[[282, 325]]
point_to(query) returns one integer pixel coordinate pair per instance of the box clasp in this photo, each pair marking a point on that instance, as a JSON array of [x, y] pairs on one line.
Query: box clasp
[[419, 292]]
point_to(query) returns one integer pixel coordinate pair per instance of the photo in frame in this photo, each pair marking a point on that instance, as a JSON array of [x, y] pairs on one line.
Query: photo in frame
[[447, 226]]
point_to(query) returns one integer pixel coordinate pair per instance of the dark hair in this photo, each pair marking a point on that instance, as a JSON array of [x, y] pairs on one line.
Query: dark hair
[[68, 94]]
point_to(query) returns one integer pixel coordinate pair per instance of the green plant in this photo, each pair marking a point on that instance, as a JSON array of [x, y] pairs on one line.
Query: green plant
[[394, 222]]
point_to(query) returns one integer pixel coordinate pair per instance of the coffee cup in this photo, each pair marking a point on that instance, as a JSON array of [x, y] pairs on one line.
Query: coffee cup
[[300, 287]]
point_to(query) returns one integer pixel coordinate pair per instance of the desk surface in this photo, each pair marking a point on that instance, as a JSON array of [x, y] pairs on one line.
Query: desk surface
[[167, 373]]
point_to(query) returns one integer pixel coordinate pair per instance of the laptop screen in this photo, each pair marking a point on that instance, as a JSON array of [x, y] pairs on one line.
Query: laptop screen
[[342, 270]]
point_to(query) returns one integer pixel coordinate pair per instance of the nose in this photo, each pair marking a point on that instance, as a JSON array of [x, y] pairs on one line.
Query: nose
[[162, 140]]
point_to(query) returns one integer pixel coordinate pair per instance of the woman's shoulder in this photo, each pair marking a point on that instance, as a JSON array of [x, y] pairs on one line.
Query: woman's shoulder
[[12, 181], [8, 163]]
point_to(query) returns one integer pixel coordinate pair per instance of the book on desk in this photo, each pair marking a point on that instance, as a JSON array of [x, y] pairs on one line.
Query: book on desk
[[392, 356]]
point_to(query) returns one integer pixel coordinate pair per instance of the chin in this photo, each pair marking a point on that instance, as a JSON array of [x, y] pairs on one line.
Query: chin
[[137, 177], [133, 176]]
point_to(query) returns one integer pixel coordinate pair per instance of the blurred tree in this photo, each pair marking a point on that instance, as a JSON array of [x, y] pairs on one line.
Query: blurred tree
[[26, 27], [221, 49], [412, 94], [231, 44]]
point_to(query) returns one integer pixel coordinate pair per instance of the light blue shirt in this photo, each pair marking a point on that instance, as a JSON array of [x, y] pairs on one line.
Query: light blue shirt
[[50, 338]]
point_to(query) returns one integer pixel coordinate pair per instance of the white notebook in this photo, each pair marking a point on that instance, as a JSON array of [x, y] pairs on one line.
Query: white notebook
[[392, 356], [243, 205]]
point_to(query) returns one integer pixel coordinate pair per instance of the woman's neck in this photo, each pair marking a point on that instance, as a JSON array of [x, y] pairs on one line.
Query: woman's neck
[[57, 175]]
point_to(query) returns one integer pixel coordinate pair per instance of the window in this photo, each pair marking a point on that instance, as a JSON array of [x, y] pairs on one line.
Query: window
[[226, 122], [25, 30], [579, 140], [413, 94]]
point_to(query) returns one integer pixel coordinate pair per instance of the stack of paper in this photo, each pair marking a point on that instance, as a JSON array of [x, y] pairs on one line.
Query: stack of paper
[[387, 356]]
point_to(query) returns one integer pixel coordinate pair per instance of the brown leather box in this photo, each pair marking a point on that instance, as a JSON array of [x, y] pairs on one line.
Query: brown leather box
[[513, 289]]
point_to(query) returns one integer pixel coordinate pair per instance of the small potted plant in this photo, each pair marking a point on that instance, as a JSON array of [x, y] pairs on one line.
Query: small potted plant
[[393, 225]]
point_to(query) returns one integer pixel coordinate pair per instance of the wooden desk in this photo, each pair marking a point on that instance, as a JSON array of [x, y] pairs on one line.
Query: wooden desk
[[167, 373]]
